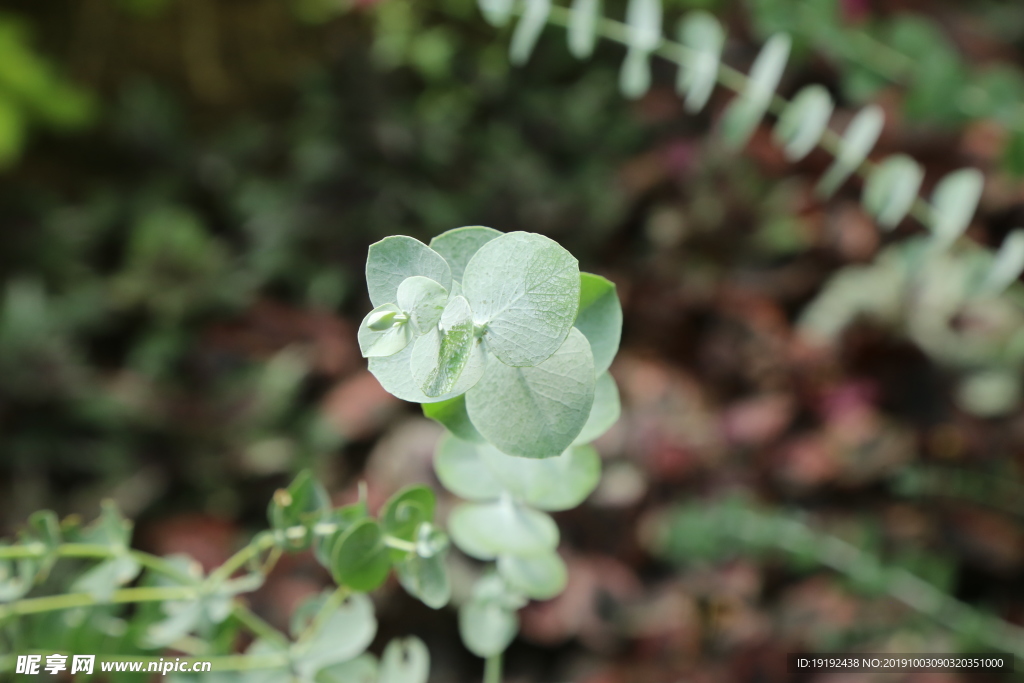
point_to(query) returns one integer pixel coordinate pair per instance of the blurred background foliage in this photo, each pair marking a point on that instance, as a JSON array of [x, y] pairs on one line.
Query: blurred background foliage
[[188, 188]]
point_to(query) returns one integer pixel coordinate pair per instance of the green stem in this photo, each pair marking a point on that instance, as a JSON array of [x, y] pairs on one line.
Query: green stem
[[399, 544], [249, 619], [51, 603], [263, 541], [492, 669], [326, 610]]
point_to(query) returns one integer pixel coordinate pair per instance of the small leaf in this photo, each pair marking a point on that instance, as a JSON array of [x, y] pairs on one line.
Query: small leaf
[[526, 289], [452, 414], [891, 189], [462, 471], [362, 669], [345, 634], [450, 358], [16, 578], [106, 577], [583, 27], [487, 628], [182, 619], [606, 411], [528, 30], [391, 336], [635, 75], [745, 112], [395, 374], [541, 576], [427, 579], [405, 511], [393, 259], [536, 412], [405, 661], [343, 518], [458, 246], [804, 121], [486, 530], [1008, 264], [112, 529], [423, 300], [360, 559], [559, 483], [303, 503], [496, 12], [860, 136], [704, 36], [955, 200]]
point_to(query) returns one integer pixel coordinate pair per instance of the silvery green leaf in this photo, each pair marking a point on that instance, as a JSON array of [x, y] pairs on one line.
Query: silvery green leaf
[[541, 576], [462, 471], [342, 636], [362, 669], [804, 121], [553, 484], [1008, 264], [423, 300], [600, 319], [405, 660], [486, 530], [393, 259], [858, 139], [452, 414], [395, 374], [891, 189], [458, 246], [528, 30], [954, 201], [496, 12], [387, 341], [272, 658], [182, 618], [583, 27], [635, 75], [487, 628], [16, 577], [643, 17], [526, 289], [449, 359], [106, 577], [535, 412], [426, 578], [990, 393], [605, 412], [746, 111], [704, 36]]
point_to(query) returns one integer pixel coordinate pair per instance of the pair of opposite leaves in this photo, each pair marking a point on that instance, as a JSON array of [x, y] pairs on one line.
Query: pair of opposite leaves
[[506, 319]]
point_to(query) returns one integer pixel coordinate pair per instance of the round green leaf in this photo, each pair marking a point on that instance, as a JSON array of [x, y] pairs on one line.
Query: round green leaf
[[606, 411], [346, 633], [528, 30], [559, 483], [600, 318], [858, 139], [396, 258], [745, 112], [526, 289], [450, 358], [427, 579], [405, 661], [342, 518], [423, 300], [955, 199], [360, 559], [635, 74], [536, 412], [891, 189], [458, 246], [487, 628], [462, 471], [703, 34], [486, 530], [376, 339], [541, 576], [406, 510], [804, 121], [452, 414], [1008, 264], [643, 17], [496, 12]]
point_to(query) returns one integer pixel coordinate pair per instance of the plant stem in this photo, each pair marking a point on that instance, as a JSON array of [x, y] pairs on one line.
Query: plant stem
[[492, 669], [252, 621], [51, 603]]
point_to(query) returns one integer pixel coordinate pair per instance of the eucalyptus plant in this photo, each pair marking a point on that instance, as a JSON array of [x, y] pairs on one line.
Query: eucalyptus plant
[[507, 344]]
